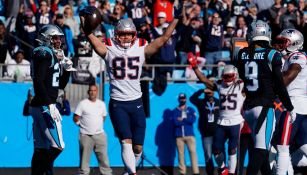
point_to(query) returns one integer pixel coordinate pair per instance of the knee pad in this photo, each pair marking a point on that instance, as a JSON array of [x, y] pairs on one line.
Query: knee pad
[[137, 149], [232, 151]]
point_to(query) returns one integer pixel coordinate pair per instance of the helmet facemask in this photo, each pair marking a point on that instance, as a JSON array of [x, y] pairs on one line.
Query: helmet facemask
[[229, 75], [125, 38], [125, 33]]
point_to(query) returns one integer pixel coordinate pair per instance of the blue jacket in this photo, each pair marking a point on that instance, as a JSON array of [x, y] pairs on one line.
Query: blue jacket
[[184, 127]]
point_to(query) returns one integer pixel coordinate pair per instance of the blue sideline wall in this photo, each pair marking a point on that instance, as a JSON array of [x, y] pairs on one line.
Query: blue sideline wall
[[16, 141]]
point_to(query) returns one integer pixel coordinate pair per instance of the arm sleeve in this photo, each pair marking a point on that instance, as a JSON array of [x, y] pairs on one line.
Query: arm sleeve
[[195, 97], [41, 63], [191, 116], [64, 78], [280, 88]]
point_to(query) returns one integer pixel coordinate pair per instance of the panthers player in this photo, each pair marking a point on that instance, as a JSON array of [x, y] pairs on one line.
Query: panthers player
[[260, 68], [289, 42], [49, 74], [124, 55], [230, 121]]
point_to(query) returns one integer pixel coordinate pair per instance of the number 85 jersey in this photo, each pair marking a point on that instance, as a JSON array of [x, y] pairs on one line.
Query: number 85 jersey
[[262, 78], [124, 68]]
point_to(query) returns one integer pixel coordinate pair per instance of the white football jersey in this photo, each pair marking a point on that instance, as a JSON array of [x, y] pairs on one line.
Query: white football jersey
[[124, 69], [297, 89], [231, 102]]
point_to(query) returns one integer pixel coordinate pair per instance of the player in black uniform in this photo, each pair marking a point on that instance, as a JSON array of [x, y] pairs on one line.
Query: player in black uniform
[[260, 68], [50, 72]]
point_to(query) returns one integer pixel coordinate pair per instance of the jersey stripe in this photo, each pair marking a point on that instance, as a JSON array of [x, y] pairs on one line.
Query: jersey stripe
[[271, 55]]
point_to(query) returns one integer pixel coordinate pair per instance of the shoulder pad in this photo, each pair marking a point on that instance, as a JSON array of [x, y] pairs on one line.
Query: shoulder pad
[[42, 51], [142, 42], [108, 42]]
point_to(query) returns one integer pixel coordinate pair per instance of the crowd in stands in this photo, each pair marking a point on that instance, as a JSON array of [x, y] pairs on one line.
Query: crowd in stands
[[206, 29]]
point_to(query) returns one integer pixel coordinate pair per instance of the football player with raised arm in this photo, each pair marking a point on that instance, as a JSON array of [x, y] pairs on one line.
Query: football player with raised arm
[[260, 68], [230, 121], [124, 55], [50, 72], [289, 42]]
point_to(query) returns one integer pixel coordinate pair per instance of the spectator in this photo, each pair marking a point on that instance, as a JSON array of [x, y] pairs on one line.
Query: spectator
[[208, 116], [274, 10], [118, 13], [70, 21], [4, 45], [228, 35], [289, 19], [241, 27], [252, 13], [68, 46], [137, 12], [166, 54], [213, 41], [105, 10], [18, 68], [90, 115], [183, 118], [43, 15], [26, 30]]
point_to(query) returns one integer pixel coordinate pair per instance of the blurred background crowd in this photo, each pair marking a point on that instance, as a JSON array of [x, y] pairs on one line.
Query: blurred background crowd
[[206, 30]]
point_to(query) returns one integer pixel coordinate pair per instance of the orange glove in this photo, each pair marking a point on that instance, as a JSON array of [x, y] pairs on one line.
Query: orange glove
[[192, 59]]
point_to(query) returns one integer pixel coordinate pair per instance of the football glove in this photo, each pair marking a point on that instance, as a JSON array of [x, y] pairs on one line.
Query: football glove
[[54, 112], [67, 64], [192, 60]]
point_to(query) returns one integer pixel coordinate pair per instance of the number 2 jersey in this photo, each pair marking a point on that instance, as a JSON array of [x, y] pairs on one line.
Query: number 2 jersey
[[231, 103], [124, 69], [262, 78], [47, 75], [297, 89]]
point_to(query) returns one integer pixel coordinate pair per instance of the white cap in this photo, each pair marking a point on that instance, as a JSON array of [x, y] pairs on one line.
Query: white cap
[[161, 15], [230, 24]]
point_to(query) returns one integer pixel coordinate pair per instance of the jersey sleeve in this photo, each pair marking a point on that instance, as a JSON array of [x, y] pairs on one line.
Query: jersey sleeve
[[280, 88], [41, 61], [298, 58], [78, 110]]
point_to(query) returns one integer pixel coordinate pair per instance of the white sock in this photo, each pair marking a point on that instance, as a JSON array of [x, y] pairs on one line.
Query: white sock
[[290, 168], [137, 157], [128, 157], [232, 163], [283, 159], [219, 158]]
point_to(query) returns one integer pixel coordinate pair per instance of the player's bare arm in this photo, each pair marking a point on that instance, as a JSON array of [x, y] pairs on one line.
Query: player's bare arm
[[291, 73], [154, 46], [203, 78]]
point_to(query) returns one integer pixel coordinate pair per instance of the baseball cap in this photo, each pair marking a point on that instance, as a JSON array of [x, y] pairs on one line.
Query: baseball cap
[[230, 25], [182, 96], [161, 15]]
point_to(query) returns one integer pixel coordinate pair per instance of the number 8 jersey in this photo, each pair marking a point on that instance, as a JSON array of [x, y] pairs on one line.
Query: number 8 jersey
[[262, 78], [124, 69]]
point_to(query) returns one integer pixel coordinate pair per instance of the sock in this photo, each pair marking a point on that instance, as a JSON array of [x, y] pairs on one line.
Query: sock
[[290, 169], [128, 157], [232, 163], [283, 159], [258, 157], [137, 157], [38, 162], [219, 158], [53, 153]]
